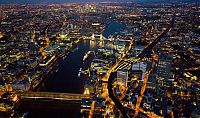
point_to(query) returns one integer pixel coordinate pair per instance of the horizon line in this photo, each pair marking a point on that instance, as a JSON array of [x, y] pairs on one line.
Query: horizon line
[[83, 2]]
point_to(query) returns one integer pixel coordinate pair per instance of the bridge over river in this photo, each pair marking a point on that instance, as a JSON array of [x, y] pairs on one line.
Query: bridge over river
[[52, 96], [49, 100]]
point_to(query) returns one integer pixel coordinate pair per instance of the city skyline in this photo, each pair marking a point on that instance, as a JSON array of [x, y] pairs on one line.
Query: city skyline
[[100, 60], [65, 1]]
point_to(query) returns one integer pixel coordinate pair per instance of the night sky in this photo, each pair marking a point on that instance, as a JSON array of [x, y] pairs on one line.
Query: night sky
[[64, 1]]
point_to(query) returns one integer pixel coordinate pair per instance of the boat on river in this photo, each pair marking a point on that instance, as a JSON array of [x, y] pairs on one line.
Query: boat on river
[[86, 56], [80, 72]]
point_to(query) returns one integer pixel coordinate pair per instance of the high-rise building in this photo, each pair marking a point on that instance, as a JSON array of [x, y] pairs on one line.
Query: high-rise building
[[136, 74], [164, 67], [123, 75], [139, 69]]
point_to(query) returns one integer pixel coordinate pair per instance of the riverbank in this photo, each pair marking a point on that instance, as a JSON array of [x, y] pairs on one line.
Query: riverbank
[[66, 78]]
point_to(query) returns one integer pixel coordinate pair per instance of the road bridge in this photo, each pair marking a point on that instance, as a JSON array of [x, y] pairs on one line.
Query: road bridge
[[52, 96], [50, 100]]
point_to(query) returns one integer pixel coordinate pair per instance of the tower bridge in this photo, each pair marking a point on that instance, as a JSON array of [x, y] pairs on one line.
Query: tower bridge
[[97, 37]]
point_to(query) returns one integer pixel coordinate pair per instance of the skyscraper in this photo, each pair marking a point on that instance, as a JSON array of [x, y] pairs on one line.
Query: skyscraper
[[123, 75], [139, 67], [164, 68]]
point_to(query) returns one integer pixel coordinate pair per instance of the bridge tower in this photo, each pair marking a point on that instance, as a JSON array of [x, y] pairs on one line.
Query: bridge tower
[[101, 37], [97, 37], [93, 38]]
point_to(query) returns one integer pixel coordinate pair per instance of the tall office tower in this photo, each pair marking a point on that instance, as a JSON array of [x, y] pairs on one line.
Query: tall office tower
[[123, 75], [139, 69], [164, 68]]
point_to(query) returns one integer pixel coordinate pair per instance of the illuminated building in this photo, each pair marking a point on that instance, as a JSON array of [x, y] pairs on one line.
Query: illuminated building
[[21, 85], [163, 67], [139, 69], [138, 49], [123, 75], [120, 46], [47, 61], [136, 74]]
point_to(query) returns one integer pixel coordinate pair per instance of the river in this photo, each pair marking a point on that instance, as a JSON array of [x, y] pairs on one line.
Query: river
[[66, 78]]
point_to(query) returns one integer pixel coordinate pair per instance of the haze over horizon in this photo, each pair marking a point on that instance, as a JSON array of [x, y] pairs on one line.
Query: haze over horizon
[[64, 1]]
